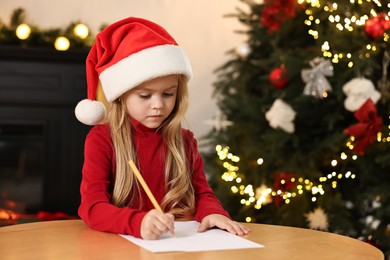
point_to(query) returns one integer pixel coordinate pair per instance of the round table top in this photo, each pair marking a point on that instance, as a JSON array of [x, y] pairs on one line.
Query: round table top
[[72, 239]]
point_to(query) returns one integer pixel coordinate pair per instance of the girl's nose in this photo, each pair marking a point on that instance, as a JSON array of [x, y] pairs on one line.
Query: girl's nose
[[157, 102]]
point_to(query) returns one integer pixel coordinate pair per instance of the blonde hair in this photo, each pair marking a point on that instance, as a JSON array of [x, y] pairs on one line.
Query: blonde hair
[[179, 197]]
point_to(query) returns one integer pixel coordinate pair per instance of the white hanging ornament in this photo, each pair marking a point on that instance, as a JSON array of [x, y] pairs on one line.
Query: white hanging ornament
[[316, 83], [219, 122], [281, 115], [357, 91], [317, 219]]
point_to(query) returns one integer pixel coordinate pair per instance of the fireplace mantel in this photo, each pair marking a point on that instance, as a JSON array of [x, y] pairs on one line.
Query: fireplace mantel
[[39, 89], [42, 54]]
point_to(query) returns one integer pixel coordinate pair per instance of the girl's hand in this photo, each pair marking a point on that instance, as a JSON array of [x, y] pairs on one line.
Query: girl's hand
[[222, 222], [156, 223]]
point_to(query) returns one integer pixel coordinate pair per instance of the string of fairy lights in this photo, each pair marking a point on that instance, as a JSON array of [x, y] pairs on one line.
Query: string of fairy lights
[[61, 43], [343, 21], [262, 195]]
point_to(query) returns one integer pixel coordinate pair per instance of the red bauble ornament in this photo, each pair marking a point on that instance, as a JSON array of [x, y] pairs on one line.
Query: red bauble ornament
[[376, 26], [277, 77], [276, 12]]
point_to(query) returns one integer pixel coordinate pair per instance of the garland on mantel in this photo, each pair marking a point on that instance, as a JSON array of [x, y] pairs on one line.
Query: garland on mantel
[[21, 33]]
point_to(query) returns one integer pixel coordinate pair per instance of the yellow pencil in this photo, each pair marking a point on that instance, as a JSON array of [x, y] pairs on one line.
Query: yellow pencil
[[147, 190], [145, 186]]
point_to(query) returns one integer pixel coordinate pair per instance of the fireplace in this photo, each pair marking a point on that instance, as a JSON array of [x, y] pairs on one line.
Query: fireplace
[[41, 142], [22, 162]]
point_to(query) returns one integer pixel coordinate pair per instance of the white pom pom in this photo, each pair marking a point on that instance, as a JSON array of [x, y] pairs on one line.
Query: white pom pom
[[90, 112], [357, 91]]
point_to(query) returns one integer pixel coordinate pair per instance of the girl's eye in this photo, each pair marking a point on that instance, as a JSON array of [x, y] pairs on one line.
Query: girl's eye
[[144, 96], [168, 94]]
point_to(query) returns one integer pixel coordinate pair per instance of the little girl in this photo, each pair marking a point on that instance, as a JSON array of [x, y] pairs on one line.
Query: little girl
[[144, 74]]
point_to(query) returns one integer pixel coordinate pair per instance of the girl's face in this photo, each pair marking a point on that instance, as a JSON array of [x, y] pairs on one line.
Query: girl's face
[[152, 102]]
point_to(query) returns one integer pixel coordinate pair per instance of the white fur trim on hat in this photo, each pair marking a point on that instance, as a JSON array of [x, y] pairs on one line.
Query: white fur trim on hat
[[150, 63], [90, 112]]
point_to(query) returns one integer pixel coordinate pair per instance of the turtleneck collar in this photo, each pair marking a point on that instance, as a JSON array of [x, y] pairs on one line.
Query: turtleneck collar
[[141, 129]]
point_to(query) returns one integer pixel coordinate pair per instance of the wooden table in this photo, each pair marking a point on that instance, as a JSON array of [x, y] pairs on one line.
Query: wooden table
[[72, 240]]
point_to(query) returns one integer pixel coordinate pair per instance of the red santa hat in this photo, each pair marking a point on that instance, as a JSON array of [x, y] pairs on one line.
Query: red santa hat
[[124, 55]]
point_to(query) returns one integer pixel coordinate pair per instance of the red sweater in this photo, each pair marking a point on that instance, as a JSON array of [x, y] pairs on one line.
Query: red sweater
[[98, 180]]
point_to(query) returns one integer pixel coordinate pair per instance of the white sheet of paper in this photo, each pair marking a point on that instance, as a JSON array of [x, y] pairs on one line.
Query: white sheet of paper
[[187, 239]]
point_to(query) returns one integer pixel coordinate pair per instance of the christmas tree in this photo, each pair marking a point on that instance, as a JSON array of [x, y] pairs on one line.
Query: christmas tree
[[302, 134]]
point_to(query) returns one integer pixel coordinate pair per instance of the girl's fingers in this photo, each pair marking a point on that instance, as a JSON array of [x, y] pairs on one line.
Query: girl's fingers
[[156, 223], [241, 229], [223, 222], [166, 223]]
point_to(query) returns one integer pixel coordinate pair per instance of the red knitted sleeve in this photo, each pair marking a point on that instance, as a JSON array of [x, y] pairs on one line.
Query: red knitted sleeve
[[96, 187]]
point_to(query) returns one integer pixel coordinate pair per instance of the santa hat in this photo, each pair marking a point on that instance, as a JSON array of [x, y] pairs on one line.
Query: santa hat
[[124, 55]]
